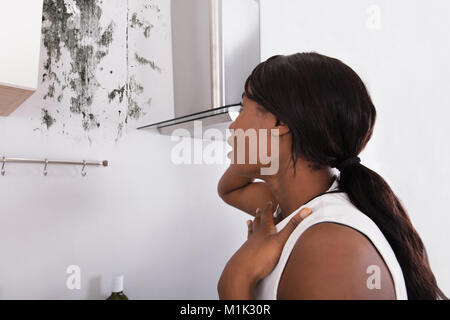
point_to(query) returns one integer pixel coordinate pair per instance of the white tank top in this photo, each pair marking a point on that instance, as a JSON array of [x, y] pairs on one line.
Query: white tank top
[[332, 207]]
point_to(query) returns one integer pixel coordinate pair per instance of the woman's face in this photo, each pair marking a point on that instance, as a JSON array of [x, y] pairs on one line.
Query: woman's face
[[254, 140]]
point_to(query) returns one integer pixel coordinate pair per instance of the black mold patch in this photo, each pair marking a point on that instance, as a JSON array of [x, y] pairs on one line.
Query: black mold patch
[[130, 90], [144, 25], [117, 92], [75, 30], [46, 118], [89, 121], [107, 36], [143, 61], [76, 44], [51, 91]]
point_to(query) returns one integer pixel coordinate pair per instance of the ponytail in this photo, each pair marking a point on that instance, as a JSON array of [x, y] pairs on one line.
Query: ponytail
[[370, 193]]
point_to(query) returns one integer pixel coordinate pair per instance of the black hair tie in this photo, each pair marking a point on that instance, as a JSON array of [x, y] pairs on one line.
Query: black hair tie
[[347, 163]]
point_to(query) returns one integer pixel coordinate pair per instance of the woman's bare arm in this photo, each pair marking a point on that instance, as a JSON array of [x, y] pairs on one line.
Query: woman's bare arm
[[330, 261], [243, 193]]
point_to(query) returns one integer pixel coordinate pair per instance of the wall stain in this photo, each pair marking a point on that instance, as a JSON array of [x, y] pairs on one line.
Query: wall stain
[[135, 22], [107, 36], [74, 31], [130, 90], [51, 91], [46, 118], [144, 61], [76, 43]]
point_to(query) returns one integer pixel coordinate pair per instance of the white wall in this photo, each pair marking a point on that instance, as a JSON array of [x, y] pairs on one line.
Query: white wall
[[163, 226], [160, 224], [400, 49]]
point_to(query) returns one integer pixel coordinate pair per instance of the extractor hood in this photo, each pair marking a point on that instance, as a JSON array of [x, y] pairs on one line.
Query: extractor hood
[[215, 46]]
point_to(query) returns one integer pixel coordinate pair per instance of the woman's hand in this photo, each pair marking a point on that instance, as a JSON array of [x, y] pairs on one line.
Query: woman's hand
[[264, 244], [258, 256]]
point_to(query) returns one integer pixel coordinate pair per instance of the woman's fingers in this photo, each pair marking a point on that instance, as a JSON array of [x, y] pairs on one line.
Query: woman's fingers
[[293, 223], [267, 214], [250, 228], [261, 216], [257, 219], [265, 217]]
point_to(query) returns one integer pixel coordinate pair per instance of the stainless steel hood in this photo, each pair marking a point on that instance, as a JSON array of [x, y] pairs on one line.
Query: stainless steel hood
[[215, 46]]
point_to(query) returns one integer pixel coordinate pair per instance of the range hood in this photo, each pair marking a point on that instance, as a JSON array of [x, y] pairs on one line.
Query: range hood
[[215, 46]]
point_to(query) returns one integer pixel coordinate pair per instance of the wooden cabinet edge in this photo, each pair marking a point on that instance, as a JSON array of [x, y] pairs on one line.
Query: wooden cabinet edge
[[11, 98]]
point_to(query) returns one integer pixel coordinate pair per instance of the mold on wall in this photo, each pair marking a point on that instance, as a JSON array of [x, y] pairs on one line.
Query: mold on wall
[[143, 61], [90, 65], [74, 26], [136, 22]]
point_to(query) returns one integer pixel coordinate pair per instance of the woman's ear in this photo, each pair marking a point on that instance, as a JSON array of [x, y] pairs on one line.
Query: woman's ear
[[279, 129]]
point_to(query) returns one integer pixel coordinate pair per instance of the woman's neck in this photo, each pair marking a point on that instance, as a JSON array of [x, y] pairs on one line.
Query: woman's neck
[[294, 191]]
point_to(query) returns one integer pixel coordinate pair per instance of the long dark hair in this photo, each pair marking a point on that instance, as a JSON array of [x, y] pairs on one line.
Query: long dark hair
[[331, 117]]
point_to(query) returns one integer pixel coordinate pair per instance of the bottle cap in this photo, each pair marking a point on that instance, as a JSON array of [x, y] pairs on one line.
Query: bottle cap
[[117, 285]]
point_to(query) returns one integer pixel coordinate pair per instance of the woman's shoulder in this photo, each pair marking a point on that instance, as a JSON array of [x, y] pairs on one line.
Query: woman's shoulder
[[333, 261]]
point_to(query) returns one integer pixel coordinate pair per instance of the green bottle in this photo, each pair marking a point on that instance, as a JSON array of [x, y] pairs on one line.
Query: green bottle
[[117, 289]]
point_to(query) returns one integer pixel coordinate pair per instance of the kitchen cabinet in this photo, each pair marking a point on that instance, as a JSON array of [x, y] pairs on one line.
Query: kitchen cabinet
[[20, 39]]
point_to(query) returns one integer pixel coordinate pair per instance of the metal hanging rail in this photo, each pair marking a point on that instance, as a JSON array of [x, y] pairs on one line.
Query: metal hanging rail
[[46, 162]]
